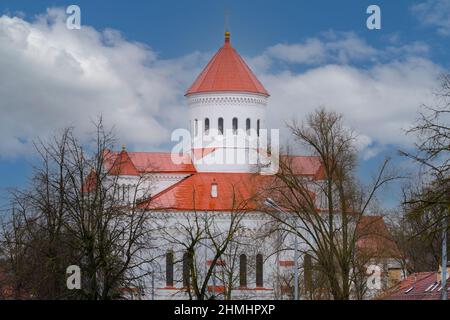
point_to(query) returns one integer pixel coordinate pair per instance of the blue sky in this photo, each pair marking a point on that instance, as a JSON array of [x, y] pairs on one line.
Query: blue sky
[[175, 28], [307, 53]]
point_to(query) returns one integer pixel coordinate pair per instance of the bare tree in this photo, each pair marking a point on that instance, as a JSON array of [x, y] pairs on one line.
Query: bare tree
[[210, 244], [433, 152], [324, 212], [427, 204], [77, 211], [416, 230], [33, 237]]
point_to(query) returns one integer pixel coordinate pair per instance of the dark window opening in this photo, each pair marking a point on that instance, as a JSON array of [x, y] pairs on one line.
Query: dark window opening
[[243, 270], [235, 125], [169, 269], [207, 126], [220, 125], [308, 272], [187, 261], [259, 271]]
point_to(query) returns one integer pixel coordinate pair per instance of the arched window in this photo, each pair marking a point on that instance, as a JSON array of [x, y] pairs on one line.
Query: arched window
[[169, 269], [127, 196], [117, 193], [259, 270], [206, 125], [308, 271], [243, 270], [187, 261], [257, 127], [196, 127], [220, 125], [247, 125], [235, 125]]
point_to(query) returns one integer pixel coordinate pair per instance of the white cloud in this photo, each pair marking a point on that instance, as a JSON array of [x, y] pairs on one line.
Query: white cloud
[[434, 13], [335, 48], [338, 47], [378, 102], [52, 77], [379, 91], [312, 51]]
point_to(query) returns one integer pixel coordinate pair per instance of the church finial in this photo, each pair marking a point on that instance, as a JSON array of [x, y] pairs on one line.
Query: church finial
[[227, 36]]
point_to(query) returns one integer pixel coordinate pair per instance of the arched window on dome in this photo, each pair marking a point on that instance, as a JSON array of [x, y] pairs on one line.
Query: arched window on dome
[[220, 125], [259, 270], [235, 126], [257, 127], [206, 125], [195, 127], [247, 125]]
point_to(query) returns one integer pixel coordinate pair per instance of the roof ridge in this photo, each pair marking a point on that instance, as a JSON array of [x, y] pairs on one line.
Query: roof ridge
[[217, 69], [162, 192], [120, 162]]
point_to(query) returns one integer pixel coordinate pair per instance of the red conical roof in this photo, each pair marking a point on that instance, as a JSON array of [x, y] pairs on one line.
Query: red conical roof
[[123, 165], [227, 71]]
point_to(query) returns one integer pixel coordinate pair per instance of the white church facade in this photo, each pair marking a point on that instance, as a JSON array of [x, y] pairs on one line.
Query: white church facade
[[197, 204]]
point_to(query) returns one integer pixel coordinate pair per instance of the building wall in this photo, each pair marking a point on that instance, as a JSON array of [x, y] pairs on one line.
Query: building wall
[[145, 186], [227, 106], [173, 237], [170, 232]]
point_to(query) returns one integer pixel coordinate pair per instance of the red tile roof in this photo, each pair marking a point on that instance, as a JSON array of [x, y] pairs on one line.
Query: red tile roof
[[235, 191], [227, 71], [199, 153], [90, 183], [146, 162], [374, 238], [304, 165], [417, 286], [132, 163], [122, 165]]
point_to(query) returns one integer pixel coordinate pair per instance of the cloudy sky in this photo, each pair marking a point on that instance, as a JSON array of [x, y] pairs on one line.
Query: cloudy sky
[[132, 61]]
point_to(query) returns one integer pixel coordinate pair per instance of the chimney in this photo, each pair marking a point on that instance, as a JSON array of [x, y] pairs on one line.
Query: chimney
[[394, 276], [439, 275]]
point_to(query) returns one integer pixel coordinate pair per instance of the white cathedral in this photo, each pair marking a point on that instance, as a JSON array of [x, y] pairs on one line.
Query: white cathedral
[[203, 194]]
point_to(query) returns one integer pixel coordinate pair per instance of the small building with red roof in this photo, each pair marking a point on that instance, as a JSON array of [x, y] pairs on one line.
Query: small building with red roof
[[419, 286]]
